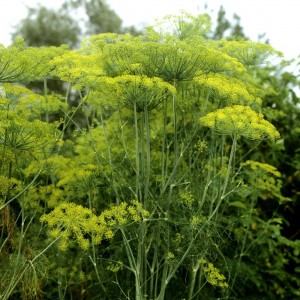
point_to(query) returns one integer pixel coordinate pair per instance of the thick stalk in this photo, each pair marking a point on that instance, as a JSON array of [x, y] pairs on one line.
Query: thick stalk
[[134, 266], [164, 282], [194, 272], [152, 289], [140, 263]]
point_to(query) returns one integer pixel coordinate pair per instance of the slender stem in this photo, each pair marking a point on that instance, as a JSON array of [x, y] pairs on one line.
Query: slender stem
[[242, 252], [164, 162], [30, 263], [134, 266], [94, 260], [47, 100], [229, 167], [137, 153], [148, 155], [175, 268], [140, 262], [24, 190], [175, 126], [88, 125], [142, 156]]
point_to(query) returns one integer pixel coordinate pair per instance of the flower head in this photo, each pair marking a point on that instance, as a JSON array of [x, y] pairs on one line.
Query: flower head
[[240, 120]]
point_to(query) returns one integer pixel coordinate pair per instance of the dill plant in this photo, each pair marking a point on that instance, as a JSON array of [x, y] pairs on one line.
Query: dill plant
[[154, 198], [25, 137]]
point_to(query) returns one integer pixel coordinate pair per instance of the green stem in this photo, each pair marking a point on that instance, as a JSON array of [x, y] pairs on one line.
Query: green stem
[[194, 272], [243, 252], [137, 154], [93, 260], [148, 156], [164, 161], [142, 156], [134, 265], [175, 126], [175, 268], [152, 290], [140, 262], [229, 167], [47, 100], [30, 263]]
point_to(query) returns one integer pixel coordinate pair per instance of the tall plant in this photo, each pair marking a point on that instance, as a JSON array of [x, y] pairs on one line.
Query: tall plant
[[155, 198]]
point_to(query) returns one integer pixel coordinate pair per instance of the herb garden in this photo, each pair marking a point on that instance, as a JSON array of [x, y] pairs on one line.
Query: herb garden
[[148, 175]]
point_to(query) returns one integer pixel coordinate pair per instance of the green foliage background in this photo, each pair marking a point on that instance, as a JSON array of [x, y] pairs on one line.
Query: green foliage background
[[169, 178]]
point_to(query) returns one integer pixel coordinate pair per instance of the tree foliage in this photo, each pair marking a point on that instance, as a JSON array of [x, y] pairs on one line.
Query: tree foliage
[[48, 27], [74, 20], [224, 28], [100, 18]]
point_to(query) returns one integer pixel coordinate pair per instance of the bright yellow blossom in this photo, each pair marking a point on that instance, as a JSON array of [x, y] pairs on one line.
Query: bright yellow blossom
[[242, 121]]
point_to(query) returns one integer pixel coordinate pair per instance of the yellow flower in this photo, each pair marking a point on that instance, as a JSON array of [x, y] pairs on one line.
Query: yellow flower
[[71, 220], [265, 178], [231, 120], [232, 90], [248, 52], [212, 274], [187, 198]]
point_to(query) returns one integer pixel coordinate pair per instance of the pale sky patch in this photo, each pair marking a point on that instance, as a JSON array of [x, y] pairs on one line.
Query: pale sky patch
[[277, 18]]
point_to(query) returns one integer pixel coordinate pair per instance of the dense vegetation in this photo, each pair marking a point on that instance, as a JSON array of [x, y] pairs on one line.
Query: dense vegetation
[[157, 175]]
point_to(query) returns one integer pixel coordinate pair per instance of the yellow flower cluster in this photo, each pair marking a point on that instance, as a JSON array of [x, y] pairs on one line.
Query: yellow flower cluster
[[255, 165], [71, 179], [187, 198], [133, 89], [218, 62], [233, 90], [49, 194], [97, 43], [23, 135], [248, 52], [202, 146], [69, 220], [76, 68], [19, 63], [212, 274], [265, 178], [241, 121], [169, 256], [24, 101], [18, 120], [15, 90], [73, 273], [196, 220], [9, 184], [7, 156], [115, 266], [183, 25], [170, 58]]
